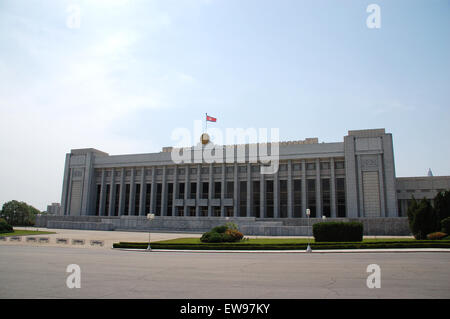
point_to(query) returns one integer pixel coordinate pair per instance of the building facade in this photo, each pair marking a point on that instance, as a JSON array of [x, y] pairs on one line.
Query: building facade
[[350, 179]]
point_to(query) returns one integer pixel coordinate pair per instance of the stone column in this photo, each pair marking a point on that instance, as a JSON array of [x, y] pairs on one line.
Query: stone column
[[236, 191], [131, 211], [249, 190], [122, 192], [142, 194], [333, 188], [222, 191], [164, 192], [187, 189], [210, 189], [289, 191], [319, 212], [102, 195], [304, 203], [65, 189], [361, 212], [276, 195], [153, 192], [197, 196], [175, 192], [381, 182], [112, 194], [262, 197]]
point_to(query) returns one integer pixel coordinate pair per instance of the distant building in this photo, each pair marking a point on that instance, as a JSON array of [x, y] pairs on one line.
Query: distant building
[[54, 209]]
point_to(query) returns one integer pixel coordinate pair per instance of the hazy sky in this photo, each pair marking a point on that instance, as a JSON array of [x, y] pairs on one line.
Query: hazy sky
[[133, 71]]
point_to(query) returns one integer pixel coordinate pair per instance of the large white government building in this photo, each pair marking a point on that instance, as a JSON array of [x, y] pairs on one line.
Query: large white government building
[[350, 179]]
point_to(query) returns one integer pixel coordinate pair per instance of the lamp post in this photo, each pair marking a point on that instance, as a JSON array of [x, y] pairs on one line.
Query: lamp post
[[308, 213], [150, 217]]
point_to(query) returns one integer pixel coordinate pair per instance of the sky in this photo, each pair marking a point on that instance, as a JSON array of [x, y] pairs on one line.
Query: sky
[[121, 75]]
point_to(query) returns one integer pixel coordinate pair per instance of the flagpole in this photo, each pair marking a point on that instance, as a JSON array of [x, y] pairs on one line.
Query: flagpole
[[206, 122]]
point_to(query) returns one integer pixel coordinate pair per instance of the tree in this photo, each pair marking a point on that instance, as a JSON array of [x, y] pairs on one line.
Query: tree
[[422, 219], [442, 205], [19, 213]]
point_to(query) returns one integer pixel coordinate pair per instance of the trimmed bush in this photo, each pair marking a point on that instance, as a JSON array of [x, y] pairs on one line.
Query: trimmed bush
[[5, 227], [445, 224], [338, 232], [227, 233], [436, 236]]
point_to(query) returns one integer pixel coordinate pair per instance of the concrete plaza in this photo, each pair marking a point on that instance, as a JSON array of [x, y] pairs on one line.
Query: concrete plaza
[[40, 272]]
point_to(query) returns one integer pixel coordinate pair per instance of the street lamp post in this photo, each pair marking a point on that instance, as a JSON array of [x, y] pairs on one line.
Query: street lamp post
[[150, 217], [308, 213]]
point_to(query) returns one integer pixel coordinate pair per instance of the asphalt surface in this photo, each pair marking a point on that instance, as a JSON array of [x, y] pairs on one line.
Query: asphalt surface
[[40, 272]]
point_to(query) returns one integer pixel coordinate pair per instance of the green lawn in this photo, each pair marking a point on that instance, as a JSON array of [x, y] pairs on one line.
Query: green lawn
[[25, 233], [275, 241], [286, 244]]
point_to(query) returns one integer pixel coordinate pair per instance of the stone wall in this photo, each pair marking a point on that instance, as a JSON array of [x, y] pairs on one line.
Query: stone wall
[[388, 226]]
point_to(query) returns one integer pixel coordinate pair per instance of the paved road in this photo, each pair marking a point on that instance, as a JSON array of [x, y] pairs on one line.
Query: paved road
[[40, 272]]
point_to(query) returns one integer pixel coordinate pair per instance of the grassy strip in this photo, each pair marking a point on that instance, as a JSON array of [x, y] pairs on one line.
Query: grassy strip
[[25, 233], [249, 245]]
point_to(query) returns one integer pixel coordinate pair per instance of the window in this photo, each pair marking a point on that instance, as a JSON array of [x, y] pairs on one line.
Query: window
[[230, 190], [242, 169], [256, 199], [297, 198], [205, 170], [230, 169], [269, 198], [117, 200], [326, 197], [181, 171], [217, 170], [243, 198], [181, 190], [169, 199], [339, 165], [148, 192], [170, 171], [340, 197], [127, 199], [148, 172], [159, 171], [193, 170], [193, 190], [283, 199], [324, 165], [108, 195], [297, 167], [137, 197], [158, 199], [217, 189], [97, 204], [255, 168], [310, 166], [311, 196], [205, 186], [283, 167]]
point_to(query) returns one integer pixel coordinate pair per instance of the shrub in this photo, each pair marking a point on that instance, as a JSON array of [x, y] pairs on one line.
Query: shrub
[[422, 219], [338, 231], [445, 223], [5, 227], [232, 235], [219, 229], [436, 236], [226, 233]]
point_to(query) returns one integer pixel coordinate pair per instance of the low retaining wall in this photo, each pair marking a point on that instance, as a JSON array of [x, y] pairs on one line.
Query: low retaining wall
[[390, 226]]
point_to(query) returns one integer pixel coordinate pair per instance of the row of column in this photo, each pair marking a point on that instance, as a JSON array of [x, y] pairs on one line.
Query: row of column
[[236, 194]]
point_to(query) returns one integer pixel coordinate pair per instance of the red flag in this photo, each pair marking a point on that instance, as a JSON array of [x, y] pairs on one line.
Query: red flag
[[211, 119]]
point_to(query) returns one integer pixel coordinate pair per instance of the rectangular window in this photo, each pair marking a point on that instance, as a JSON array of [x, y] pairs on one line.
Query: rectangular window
[[310, 166], [158, 199], [107, 203], [326, 197], [137, 197], [324, 165], [217, 189], [193, 190], [97, 204], [311, 196], [283, 199], [127, 199], [117, 201], [205, 186], [243, 198], [297, 198], [169, 198], [181, 190], [148, 192], [256, 199], [230, 190], [204, 211], [340, 197], [339, 165], [269, 199]]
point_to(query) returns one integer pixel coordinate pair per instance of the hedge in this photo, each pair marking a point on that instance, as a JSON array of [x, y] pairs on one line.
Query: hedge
[[338, 232], [5, 227], [314, 246], [445, 223]]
